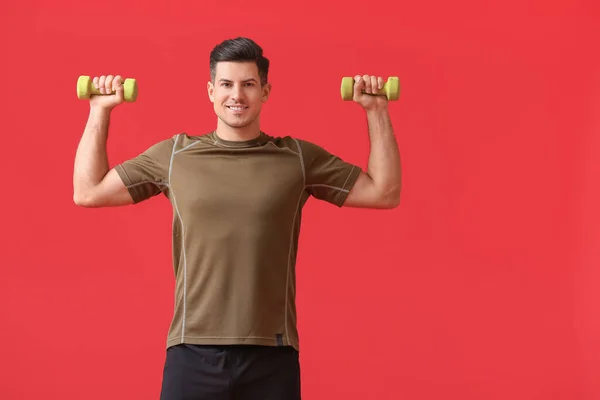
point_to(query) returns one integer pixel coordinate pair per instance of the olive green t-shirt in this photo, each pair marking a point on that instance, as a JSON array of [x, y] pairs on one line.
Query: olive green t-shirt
[[237, 210]]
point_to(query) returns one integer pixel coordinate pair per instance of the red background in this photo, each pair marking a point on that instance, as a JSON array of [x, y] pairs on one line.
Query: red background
[[483, 284]]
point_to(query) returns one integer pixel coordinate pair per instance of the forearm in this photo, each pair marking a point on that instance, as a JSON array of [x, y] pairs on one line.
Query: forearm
[[384, 166], [91, 160]]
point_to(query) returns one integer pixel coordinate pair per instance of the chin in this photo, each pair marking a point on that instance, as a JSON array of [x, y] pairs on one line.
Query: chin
[[237, 123]]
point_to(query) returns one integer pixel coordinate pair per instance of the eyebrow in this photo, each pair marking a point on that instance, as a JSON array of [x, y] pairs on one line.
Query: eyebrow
[[247, 80]]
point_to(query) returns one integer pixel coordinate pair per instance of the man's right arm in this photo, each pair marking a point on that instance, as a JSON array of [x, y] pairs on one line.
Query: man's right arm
[[94, 183]]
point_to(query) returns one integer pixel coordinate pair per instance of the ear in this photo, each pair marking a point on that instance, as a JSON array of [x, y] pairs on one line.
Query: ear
[[211, 91], [266, 92]]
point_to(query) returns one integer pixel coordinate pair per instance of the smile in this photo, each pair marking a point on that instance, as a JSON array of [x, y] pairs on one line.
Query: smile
[[237, 108]]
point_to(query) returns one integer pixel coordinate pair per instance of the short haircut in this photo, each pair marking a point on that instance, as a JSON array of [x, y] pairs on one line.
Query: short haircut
[[240, 49]]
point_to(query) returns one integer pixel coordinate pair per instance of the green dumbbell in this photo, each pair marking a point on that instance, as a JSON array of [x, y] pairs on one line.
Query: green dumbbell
[[390, 89], [86, 88]]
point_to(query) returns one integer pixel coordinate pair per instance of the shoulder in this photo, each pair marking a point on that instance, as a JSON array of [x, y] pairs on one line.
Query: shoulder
[[295, 144], [180, 142], [165, 143], [309, 150], [282, 141], [164, 149], [183, 139]]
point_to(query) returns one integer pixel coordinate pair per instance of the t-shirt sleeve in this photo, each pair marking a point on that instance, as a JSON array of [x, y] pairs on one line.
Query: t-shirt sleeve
[[328, 177], [147, 174]]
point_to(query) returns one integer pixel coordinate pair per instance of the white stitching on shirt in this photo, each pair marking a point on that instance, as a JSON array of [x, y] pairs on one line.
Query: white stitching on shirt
[[287, 279], [301, 161], [187, 147], [328, 186], [229, 337], [349, 175], [156, 183], [182, 240]]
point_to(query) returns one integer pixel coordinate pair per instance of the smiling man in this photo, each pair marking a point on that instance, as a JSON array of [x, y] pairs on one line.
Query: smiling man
[[237, 91], [237, 195]]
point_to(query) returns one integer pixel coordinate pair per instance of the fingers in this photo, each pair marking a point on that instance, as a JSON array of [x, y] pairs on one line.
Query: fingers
[[369, 84], [108, 88], [374, 88], [107, 84], [359, 85], [100, 85], [117, 85]]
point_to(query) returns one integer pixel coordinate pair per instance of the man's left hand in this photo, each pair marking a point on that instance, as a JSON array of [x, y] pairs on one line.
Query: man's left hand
[[365, 90]]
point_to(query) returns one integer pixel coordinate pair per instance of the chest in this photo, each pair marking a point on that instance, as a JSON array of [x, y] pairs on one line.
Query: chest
[[242, 185]]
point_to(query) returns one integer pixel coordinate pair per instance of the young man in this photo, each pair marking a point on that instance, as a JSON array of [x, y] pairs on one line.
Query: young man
[[237, 195]]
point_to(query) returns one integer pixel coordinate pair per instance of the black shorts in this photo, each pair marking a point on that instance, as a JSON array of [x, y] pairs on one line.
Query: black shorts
[[236, 372]]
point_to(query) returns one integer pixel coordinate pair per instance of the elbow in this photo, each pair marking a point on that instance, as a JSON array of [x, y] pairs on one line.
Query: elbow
[[391, 199], [395, 202], [82, 199], [79, 200]]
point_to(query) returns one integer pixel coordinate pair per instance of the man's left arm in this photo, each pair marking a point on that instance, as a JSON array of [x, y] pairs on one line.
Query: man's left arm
[[380, 186]]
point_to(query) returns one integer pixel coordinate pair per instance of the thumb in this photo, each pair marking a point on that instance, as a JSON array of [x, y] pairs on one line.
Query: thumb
[[119, 90]]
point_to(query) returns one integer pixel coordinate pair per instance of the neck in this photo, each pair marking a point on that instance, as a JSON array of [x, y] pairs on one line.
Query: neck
[[230, 133]]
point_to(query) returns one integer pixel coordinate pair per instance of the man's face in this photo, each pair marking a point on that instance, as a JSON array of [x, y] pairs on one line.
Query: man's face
[[237, 94]]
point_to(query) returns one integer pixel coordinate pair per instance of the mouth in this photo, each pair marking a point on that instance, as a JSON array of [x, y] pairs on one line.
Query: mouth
[[237, 108]]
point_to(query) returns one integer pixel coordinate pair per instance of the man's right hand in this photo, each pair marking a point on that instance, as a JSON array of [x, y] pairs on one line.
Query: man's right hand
[[108, 84]]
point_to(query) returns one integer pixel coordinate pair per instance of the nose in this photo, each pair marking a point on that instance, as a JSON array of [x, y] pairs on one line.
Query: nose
[[237, 93]]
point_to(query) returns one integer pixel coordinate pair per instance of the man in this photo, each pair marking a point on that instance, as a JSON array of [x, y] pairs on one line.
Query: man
[[237, 195]]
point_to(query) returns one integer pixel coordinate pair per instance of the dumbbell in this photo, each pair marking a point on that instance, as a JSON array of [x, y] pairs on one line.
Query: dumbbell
[[86, 88], [390, 89]]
